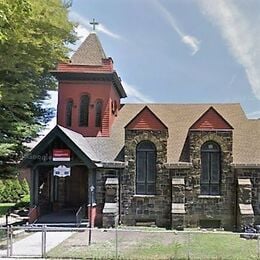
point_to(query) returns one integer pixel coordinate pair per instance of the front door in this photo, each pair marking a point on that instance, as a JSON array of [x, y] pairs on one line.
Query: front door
[[76, 188]]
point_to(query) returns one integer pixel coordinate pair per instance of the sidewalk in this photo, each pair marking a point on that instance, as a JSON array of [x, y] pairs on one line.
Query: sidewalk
[[31, 245]]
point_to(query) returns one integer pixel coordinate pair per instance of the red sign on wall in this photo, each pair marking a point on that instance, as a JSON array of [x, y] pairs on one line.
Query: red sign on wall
[[61, 155]]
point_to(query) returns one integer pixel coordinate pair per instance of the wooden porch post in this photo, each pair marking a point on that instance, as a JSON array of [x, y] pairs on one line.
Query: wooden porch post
[[36, 186]]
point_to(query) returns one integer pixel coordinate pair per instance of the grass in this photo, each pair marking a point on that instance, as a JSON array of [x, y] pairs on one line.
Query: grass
[[156, 245], [4, 208]]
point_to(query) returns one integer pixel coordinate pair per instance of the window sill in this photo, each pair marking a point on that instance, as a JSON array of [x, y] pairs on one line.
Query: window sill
[[143, 196], [209, 196]]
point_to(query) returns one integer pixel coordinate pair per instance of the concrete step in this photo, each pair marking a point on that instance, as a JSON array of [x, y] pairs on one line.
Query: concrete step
[[72, 224]]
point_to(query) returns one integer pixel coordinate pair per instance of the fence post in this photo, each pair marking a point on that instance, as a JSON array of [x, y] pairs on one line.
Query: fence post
[[188, 245], [7, 241], [6, 219], [258, 247], [43, 241], [11, 241], [116, 243]]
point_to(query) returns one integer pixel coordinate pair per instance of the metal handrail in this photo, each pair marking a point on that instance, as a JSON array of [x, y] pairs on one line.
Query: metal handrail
[[80, 214]]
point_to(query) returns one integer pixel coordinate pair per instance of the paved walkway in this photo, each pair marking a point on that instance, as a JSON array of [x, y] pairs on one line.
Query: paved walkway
[[31, 245]]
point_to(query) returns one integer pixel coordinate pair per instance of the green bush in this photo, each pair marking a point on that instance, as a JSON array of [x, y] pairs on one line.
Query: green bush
[[25, 188], [22, 204], [26, 198], [7, 193], [2, 187], [11, 190]]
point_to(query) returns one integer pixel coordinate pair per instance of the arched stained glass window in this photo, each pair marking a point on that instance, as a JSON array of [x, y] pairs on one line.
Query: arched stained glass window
[[69, 107], [98, 113], [210, 169], [145, 168], [84, 110]]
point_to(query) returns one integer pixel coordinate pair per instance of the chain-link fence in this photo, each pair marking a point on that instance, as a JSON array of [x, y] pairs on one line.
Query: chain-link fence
[[126, 243]]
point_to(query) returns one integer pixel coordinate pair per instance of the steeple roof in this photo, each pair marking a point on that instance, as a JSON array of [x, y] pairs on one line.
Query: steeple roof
[[90, 52]]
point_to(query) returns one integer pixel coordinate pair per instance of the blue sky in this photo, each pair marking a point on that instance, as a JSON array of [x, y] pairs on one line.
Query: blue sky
[[180, 51]]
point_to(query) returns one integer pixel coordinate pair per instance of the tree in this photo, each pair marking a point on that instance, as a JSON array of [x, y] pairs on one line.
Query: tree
[[33, 38]]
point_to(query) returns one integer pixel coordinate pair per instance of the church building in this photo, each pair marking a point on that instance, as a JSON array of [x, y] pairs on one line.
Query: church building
[[169, 165]]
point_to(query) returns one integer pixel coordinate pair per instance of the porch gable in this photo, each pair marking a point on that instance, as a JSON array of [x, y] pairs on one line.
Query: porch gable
[[71, 140]]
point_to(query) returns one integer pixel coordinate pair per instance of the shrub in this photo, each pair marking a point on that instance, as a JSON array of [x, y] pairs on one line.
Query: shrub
[[22, 204], [17, 191], [2, 188], [25, 188], [7, 193], [11, 190]]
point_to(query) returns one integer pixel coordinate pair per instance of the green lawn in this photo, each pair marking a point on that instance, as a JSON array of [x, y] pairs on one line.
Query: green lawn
[[155, 245], [4, 208]]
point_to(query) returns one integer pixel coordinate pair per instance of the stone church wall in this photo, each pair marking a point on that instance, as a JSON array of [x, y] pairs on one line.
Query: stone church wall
[[210, 208], [101, 177], [146, 208], [254, 176]]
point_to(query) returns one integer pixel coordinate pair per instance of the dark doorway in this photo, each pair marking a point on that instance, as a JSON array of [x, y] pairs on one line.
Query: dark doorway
[[76, 188], [58, 193]]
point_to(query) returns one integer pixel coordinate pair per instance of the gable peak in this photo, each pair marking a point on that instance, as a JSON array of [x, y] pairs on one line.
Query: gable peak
[[146, 120], [211, 120]]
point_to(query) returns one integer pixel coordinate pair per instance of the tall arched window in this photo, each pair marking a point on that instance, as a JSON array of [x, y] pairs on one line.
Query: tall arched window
[[210, 169], [69, 107], [98, 113], [145, 168], [83, 110]]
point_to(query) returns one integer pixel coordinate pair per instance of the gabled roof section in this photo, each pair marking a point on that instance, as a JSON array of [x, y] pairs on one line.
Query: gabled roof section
[[76, 142], [211, 120], [90, 52], [146, 120], [179, 118]]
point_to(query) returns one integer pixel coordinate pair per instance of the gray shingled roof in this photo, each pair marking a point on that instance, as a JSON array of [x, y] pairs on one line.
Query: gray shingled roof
[[80, 141], [90, 52], [179, 118]]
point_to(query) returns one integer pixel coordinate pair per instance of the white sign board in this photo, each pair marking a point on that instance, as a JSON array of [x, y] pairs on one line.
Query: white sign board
[[61, 171]]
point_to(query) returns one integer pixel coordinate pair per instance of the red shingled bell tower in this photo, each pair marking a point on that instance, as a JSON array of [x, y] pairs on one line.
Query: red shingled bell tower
[[89, 90]]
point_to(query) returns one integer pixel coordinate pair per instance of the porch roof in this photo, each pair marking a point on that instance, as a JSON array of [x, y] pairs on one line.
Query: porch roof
[[76, 142]]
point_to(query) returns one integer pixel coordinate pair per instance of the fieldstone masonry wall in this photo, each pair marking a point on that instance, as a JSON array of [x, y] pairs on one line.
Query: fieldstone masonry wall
[[146, 208], [178, 201], [253, 174], [245, 213], [176, 205], [110, 210], [101, 177], [210, 208]]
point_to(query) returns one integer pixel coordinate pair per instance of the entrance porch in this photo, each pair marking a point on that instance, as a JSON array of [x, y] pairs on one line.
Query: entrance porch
[[60, 199], [63, 168]]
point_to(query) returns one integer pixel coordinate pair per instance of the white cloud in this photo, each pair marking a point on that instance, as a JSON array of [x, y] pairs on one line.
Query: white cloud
[[103, 28], [85, 23], [241, 34], [192, 42], [134, 95], [82, 32], [232, 80]]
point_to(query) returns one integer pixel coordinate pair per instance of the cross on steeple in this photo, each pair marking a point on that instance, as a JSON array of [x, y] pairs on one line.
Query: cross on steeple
[[94, 23]]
